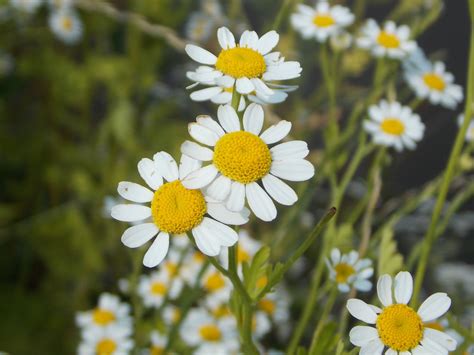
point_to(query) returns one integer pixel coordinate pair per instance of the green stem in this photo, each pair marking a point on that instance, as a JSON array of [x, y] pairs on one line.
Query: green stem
[[281, 13], [450, 169], [235, 99]]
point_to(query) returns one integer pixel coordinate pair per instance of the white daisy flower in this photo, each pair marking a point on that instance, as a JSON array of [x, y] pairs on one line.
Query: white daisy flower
[[276, 305], [113, 340], [248, 247], [109, 312], [172, 265], [27, 6], [158, 344], [394, 125], [390, 41], [209, 335], [240, 159], [199, 27], [171, 314], [470, 129], [249, 65], [348, 270], [217, 287], [398, 327], [261, 325], [174, 210], [322, 21], [431, 81], [66, 25], [157, 286], [192, 265]]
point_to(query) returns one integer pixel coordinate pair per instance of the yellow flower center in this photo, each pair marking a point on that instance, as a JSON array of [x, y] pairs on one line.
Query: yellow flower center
[[388, 40], [323, 20], [214, 282], [210, 332], [343, 272], [400, 327], [242, 255], [221, 311], [176, 209], [266, 305], [262, 282], [67, 23], [102, 316], [434, 81], [393, 126], [241, 62], [172, 268], [158, 288], [106, 347], [157, 350], [242, 156]]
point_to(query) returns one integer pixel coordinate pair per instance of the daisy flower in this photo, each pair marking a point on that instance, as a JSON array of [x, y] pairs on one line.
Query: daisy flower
[[114, 340], [174, 210], [109, 312], [322, 21], [198, 28], [171, 314], [248, 247], [66, 25], [192, 265], [209, 335], [398, 327], [27, 6], [217, 286], [276, 305], [390, 41], [470, 129], [431, 81], [240, 159], [248, 65], [348, 270], [158, 344], [157, 286], [394, 125]]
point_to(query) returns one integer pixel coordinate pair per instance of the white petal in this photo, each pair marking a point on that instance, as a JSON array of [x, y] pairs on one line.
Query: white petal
[[384, 290], [261, 88], [244, 86], [219, 189], [196, 151], [293, 170], [276, 132], [361, 310], [253, 119], [393, 352], [130, 213], [187, 165], [167, 166], [202, 134], [403, 287], [200, 55], [134, 192], [236, 199], [260, 203], [206, 240], [157, 251], [433, 347], [362, 335], [267, 42], [205, 94], [225, 235], [290, 150], [209, 123], [138, 235], [148, 172], [219, 212], [434, 306], [200, 178], [228, 118], [279, 191], [441, 338], [375, 347], [226, 38]]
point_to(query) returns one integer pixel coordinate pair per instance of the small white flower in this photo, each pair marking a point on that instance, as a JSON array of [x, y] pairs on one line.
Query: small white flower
[[348, 270], [276, 305], [113, 340], [341, 41], [391, 41], [241, 158], [174, 209], [109, 312], [66, 25], [217, 287], [158, 344], [398, 327], [322, 21], [394, 125], [171, 314], [157, 286], [192, 265], [27, 6], [431, 81], [199, 27], [470, 129], [248, 65], [247, 248]]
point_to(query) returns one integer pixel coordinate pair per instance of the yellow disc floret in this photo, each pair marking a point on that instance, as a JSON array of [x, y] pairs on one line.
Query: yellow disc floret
[[106, 347], [210, 332], [157, 350], [266, 305], [434, 81], [400, 327], [214, 282], [102, 316], [158, 288], [242, 156], [67, 23], [176, 209], [393, 126], [343, 272], [388, 40], [241, 62], [323, 20]]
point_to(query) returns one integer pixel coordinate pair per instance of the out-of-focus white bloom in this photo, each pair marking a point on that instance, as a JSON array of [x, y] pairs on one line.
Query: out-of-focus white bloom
[[394, 125], [28, 6], [261, 325], [276, 305], [470, 129], [456, 276], [199, 27], [109, 312], [247, 248], [322, 21], [431, 81], [171, 314], [154, 288], [216, 285], [158, 344], [66, 25], [390, 41], [60, 4], [124, 285], [114, 340], [348, 270], [212, 8], [341, 41], [192, 265]]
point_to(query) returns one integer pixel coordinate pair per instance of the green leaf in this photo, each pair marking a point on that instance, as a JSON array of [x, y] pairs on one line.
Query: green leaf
[[257, 270], [390, 261]]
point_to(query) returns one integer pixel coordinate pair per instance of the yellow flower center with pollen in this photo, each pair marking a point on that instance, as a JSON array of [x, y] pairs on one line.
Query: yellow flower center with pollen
[[210, 332], [388, 40], [157, 350], [400, 327], [241, 62], [434, 81], [176, 209], [214, 282], [393, 126], [102, 316], [266, 305], [242, 156], [323, 20], [67, 23], [242, 256], [158, 288], [343, 272], [172, 268], [106, 347]]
